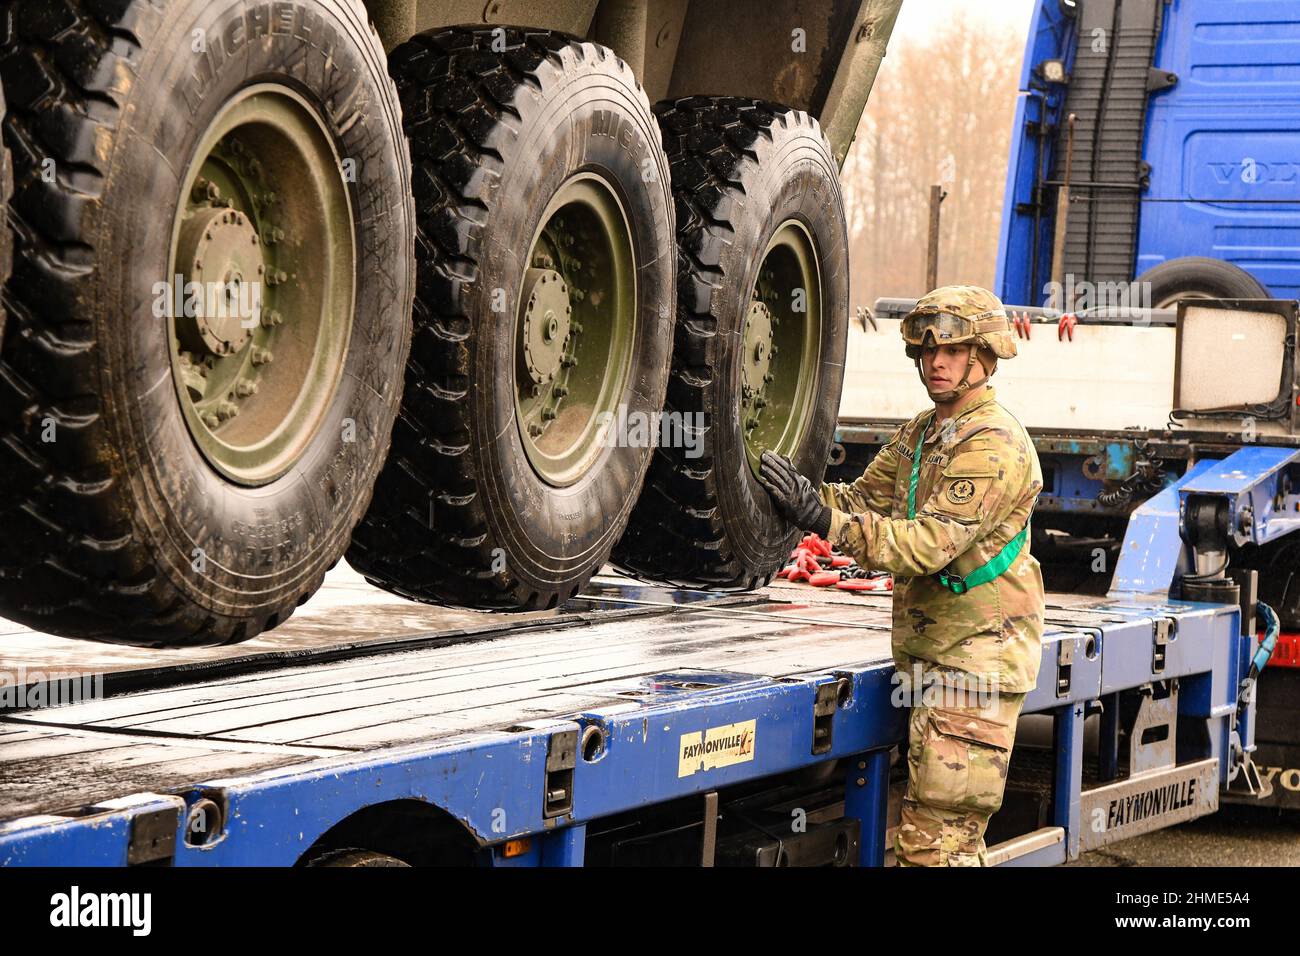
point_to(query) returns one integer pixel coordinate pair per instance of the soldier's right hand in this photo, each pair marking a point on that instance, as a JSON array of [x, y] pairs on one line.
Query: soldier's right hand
[[793, 494]]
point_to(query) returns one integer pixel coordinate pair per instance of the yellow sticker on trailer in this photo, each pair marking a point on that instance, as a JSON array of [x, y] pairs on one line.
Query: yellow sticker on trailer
[[716, 747]]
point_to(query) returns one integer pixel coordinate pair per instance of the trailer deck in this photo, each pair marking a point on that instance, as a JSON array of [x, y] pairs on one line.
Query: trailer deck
[[517, 725]]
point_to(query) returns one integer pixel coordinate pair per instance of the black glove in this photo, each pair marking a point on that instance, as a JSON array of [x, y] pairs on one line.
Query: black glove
[[794, 495]]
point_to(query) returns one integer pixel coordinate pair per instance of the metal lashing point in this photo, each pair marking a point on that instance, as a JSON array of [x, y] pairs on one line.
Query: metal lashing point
[[203, 823], [593, 742]]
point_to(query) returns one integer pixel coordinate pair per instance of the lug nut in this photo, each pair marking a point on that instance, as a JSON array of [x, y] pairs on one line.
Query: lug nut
[[548, 415], [276, 276], [534, 429], [204, 190], [227, 410], [271, 318], [561, 391], [245, 388], [211, 420], [261, 356]]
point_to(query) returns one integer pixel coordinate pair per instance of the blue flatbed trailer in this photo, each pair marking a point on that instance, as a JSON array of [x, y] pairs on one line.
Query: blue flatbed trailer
[[632, 725], [643, 725]]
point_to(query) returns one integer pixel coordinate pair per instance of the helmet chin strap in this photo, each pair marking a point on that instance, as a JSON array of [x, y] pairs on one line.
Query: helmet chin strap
[[952, 394]]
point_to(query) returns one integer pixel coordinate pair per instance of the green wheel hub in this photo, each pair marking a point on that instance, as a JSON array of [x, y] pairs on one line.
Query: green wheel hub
[[781, 345], [575, 329], [262, 281]]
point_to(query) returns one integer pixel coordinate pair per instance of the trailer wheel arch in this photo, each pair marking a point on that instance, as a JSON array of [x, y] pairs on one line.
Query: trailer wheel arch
[[410, 830]]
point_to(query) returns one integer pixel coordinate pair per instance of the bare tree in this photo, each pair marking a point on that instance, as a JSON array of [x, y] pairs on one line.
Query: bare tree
[[941, 112]]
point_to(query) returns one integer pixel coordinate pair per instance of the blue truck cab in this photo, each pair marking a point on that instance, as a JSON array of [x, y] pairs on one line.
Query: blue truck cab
[[1186, 146]]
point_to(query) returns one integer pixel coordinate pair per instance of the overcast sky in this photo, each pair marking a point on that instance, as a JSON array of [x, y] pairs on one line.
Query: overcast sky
[[919, 16]]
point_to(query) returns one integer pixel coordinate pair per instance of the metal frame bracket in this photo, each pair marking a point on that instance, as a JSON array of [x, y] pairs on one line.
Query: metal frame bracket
[[1064, 666], [561, 759], [1163, 630]]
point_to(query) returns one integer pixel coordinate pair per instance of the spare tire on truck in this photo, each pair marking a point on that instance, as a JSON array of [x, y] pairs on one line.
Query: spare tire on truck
[[543, 323], [762, 326], [1199, 277], [209, 310]]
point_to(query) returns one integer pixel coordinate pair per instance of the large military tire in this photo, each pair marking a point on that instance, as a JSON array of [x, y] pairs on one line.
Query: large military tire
[[123, 519], [542, 191], [757, 195], [1199, 277]]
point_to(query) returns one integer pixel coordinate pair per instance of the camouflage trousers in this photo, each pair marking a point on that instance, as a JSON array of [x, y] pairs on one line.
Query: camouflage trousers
[[959, 749]]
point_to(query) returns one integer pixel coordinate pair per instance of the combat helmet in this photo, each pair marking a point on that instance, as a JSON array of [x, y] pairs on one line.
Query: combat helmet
[[955, 315]]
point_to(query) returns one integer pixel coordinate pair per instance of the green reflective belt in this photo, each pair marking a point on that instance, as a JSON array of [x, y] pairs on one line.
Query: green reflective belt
[[954, 582]]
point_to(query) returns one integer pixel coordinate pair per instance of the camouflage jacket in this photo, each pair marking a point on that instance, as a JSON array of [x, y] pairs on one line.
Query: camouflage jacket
[[978, 483]]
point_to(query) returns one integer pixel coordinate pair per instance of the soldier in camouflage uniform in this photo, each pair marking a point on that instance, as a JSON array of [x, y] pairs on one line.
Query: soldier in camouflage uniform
[[968, 596]]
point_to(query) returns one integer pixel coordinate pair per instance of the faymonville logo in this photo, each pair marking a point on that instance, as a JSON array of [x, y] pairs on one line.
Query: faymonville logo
[[1135, 807]]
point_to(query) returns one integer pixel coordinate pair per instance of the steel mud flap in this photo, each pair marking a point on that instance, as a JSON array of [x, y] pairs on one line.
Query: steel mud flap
[[1148, 802]]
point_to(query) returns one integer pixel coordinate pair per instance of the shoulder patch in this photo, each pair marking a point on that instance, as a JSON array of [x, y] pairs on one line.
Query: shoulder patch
[[961, 491]]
